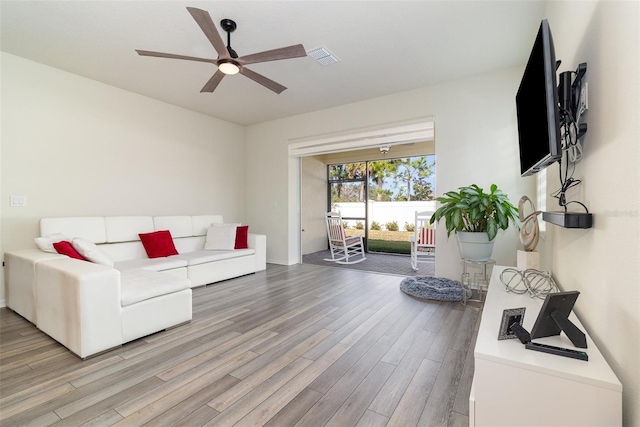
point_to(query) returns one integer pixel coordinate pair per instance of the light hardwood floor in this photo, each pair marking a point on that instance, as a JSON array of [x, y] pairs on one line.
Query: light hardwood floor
[[292, 346]]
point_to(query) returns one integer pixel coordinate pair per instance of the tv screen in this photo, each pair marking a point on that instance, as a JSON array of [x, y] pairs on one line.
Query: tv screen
[[537, 107]]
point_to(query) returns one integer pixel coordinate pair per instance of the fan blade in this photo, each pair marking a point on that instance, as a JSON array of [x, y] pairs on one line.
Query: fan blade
[[172, 56], [213, 82], [295, 51], [259, 78], [207, 26]]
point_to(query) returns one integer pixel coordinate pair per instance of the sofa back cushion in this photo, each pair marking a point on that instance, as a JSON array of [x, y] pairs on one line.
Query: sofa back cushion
[[185, 245], [91, 228], [127, 228], [179, 226], [124, 251]]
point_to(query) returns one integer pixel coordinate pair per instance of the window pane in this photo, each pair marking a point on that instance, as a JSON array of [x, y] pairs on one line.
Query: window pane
[[348, 171]]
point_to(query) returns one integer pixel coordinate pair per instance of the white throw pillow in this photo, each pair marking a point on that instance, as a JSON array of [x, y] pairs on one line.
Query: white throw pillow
[[46, 243], [91, 252], [221, 237]]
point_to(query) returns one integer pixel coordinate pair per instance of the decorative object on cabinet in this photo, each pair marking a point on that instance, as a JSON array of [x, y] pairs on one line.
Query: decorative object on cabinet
[[475, 216]]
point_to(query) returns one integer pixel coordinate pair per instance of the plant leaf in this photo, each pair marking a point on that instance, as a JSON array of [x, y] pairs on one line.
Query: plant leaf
[[492, 228]]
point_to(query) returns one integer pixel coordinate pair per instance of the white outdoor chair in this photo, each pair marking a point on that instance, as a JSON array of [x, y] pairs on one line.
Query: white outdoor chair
[[423, 241], [343, 249]]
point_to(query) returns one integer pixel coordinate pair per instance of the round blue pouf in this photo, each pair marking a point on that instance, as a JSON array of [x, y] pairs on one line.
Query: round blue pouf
[[436, 288]]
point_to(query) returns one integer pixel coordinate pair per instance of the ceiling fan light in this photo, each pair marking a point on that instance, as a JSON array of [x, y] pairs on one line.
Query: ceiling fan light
[[229, 68]]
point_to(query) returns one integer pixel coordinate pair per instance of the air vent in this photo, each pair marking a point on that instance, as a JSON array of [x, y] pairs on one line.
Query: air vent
[[323, 55]]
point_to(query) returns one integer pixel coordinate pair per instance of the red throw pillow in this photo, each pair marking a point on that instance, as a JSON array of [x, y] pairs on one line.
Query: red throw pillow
[[242, 234], [64, 247], [158, 244]]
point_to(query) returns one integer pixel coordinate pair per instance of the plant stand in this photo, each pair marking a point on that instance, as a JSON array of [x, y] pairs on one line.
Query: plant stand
[[476, 281]]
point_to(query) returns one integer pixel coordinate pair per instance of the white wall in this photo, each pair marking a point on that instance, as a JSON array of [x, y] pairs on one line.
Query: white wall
[[603, 263], [77, 147], [476, 142]]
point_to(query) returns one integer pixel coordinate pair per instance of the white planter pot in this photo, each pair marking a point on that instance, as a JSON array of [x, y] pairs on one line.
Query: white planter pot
[[475, 246]]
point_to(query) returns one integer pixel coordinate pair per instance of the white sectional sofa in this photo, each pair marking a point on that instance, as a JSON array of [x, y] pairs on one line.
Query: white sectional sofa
[[91, 308]]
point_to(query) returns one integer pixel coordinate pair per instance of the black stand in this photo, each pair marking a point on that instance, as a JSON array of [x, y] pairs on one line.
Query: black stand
[[577, 337], [525, 339]]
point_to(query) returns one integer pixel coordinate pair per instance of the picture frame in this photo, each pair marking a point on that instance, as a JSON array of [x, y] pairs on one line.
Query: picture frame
[[509, 317]]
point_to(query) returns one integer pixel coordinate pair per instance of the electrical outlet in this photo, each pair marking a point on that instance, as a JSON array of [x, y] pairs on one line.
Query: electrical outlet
[[584, 97]]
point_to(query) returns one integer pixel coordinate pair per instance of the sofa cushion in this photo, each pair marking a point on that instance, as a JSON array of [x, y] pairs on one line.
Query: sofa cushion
[[158, 244], [201, 257], [221, 237], [140, 285], [151, 264], [88, 227], [179, 226], [65, 248], [242, 234], [126, 228], [46, 243], [91, 252]]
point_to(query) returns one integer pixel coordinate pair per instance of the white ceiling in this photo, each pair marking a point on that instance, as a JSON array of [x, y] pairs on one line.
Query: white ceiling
[[384, 47]]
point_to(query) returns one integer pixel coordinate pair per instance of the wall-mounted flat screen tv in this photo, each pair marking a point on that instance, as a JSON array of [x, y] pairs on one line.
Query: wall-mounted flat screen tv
[[537, 107]]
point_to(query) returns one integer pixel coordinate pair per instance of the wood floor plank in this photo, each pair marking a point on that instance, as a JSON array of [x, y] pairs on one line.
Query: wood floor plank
[[176, 341], [324, 409], [372, 419], [441, 399], [294, 410], [410, 334], [402, 322], [461, 404], [435, 322], [350, 412], [320, 319], [355, 336], [300, 344], [35, 400], [108, 418], [188, 406], [410, 407], [247, 402], [218, 354], [464, 334], [8, 399], [458, 420], [101, 406], [216, 367], [278, 400], [179, 394], [393, 390], [44, 420], [444, 338], [252, 381], [337, 370], [199, 417], [31, 343]]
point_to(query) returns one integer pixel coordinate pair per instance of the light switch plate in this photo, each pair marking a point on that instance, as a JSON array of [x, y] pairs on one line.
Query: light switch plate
[[18, 201]]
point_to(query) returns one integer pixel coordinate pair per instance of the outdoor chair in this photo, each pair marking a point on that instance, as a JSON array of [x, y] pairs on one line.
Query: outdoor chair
[[423, 241], [344, 250]]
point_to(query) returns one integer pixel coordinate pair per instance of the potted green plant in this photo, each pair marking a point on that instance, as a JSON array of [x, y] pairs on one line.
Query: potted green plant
[[475, 216]]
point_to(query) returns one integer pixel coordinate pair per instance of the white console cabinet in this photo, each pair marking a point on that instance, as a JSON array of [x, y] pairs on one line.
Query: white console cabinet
[[513, 386]]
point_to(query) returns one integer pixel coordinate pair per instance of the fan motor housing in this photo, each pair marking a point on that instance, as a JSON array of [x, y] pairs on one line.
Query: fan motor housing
[[229, 25]]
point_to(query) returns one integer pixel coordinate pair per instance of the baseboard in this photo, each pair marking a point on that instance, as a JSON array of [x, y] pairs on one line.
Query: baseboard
[[280, 262], [2, 303]]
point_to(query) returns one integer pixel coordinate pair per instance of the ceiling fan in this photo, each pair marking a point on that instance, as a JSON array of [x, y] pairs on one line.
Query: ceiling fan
[[228, 61]]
